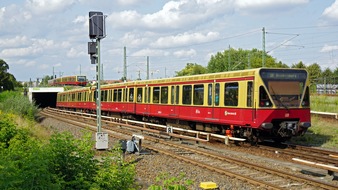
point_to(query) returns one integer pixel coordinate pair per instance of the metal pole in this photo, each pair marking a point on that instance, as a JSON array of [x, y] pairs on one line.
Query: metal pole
[[125, 64], [263, 55], [147, 67], [98, 87]]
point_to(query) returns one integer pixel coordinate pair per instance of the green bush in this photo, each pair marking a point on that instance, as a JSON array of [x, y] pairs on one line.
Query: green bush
[[114, 173], [164, 181], [65, 162], [24, 162], [15, 102], [7, 130], [72, 160]]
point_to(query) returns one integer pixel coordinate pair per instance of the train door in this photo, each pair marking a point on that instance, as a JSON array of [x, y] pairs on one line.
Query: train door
[[213, 99], [250, 117], [174, 100], [147, 99]]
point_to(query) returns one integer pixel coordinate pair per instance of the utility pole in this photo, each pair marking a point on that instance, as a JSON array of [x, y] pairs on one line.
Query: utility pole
[[263, 55], [125, 64], [147, 67], [229, 59], [249, 63]]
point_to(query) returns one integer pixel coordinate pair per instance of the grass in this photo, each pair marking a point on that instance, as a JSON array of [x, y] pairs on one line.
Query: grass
[[324, 103], [322, 133]]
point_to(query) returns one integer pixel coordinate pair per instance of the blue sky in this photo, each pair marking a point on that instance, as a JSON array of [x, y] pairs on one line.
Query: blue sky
[[39, 35]]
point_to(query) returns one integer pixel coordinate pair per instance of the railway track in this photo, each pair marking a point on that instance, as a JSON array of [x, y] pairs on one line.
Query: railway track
[[307, 153], [252, 173]]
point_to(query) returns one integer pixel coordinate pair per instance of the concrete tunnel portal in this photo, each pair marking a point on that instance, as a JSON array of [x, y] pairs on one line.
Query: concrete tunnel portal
[[44, 96]]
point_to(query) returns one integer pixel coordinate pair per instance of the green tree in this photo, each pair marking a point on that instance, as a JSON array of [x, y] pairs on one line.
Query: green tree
[[44, 81], [240, 59], [7, 80], [192, 69], [328, 76], [315, 72], [299, 65]]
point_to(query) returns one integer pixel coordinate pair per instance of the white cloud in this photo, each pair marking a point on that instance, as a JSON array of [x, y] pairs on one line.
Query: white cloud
[[48, 6], [134, 39], [332, 11], [17, 52], [22, 46], [17, 41], [127, 2], [44, 66], [81, 19], [185, 39], [173, 15], [151, 52], [2, 13], [73, 53], [185, 53], [267, 6], [328, 48], [23, 62], [267, 3]]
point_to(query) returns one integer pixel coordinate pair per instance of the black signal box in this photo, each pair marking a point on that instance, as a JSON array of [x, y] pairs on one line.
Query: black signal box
[[96, 25], [92, 48]]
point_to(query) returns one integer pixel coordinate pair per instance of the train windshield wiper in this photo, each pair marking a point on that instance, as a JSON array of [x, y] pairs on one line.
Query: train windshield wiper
[[278, 98]]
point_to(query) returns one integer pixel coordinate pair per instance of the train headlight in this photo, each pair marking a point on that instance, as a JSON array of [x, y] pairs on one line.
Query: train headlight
[[267, 125]]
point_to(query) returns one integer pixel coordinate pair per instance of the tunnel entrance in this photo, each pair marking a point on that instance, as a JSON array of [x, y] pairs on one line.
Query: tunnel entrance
[[44, 97], [43, 100]]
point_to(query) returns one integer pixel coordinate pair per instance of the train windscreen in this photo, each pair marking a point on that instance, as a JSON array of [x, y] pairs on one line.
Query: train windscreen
[[285, 86], [81, 78]]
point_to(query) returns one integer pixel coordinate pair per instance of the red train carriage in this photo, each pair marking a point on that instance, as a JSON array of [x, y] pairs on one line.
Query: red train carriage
[[254, 104], [69, 81]]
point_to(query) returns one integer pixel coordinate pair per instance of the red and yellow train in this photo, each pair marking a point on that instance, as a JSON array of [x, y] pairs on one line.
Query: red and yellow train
[[68, 81], [253, 104]]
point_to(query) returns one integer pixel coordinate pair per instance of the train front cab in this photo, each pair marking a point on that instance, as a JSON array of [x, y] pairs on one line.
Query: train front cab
[[283, 103]]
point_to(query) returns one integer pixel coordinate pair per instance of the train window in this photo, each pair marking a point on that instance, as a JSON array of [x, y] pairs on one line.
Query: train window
[[198, 94], [172, 95], [216, 94], [148, 95], [209, 94], [231, 94], [156, 95], [115, 95], [306, 100], [177, 94], [264, 100], [125, 96], [104, 95], [131, 94], [249, 99], [139, 95], [90, 95], [164, 95], [108, 95], [186, 99], [95, 95], [119, 95], [84, 97]]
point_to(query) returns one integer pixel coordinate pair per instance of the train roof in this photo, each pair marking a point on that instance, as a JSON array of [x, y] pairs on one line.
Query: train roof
[[208, 76]]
